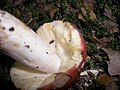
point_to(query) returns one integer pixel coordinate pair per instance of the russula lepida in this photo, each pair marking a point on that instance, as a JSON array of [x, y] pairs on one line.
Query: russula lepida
[[49, 59]]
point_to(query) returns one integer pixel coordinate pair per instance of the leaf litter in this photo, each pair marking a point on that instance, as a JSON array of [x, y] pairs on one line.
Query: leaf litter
[[114, 61]]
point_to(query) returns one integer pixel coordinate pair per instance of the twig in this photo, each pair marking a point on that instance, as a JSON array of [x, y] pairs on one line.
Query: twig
[[98, 40]]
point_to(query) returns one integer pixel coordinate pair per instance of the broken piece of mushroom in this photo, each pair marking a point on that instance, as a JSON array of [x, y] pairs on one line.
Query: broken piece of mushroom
[[62, 41], [21, 43]]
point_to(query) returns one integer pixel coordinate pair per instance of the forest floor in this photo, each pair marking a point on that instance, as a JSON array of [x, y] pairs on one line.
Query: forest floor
[[98, 21]]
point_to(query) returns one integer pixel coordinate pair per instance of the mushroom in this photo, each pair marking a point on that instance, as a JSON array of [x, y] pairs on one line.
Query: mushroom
[[49, 59], [21, 43]]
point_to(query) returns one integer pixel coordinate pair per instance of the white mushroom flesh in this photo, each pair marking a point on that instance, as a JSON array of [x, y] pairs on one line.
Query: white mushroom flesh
[[21, 43], [64, 40], [26, 78]]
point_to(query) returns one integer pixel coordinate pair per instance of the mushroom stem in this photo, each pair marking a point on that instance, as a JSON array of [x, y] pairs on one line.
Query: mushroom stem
[[21, 43]]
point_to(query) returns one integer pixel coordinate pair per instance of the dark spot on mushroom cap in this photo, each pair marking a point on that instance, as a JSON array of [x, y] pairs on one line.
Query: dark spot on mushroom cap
[[47, 52], [52, 41], [3, 28], [0, 20], [24, 42], [11, 29], [2, 13], [15, 74], [27, 46], [55, 45], [35, 77], [37, 67]]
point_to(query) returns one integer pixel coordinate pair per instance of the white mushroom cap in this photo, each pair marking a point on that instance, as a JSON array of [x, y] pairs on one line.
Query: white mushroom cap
[[21, 43], [64, 40]]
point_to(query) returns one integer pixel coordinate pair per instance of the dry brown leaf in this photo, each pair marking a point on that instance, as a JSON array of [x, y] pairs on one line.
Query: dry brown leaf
[[109, 24], [52, 12], [80, 17], [114, 29], [92, 15], [84, 12], [89, 4], [108, 13], [104, 79], [106, 39], [17, 2], [98, 40], [60, 80], [114, 63], [112, 86]]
